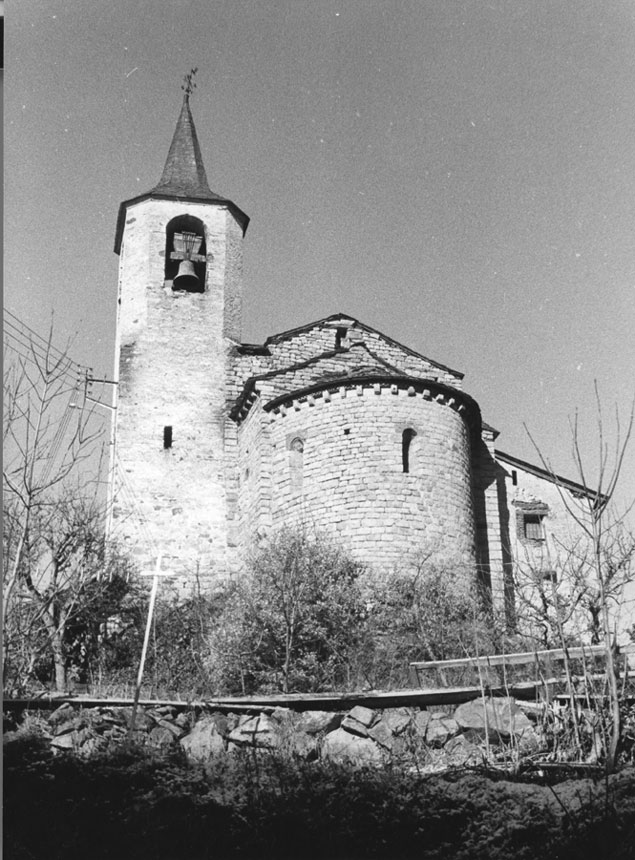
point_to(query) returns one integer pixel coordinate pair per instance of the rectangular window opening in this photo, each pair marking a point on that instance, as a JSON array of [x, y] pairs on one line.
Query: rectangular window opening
[[340, 335], [534, 527], [167, 437], [514, 477]]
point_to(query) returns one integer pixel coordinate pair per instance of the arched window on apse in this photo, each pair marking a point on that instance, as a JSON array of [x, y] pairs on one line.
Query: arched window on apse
[[185, 254], [406, 448], [296, 462]]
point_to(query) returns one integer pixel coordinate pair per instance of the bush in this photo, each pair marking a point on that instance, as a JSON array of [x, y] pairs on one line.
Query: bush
[[429, 611], [293, 622]]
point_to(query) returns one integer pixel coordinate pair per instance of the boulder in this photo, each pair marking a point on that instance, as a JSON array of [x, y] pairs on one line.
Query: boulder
[[314, 722], [420, 722], [65, 728], [260, 731], [143, 722], [161, 737], [398, 719], [440, 729], [460, 752], [498, 719], [359, 720], [63, 714], [183, 721], [204, 740], [171, 726], [381, 734], [342, 746], [64, 742]]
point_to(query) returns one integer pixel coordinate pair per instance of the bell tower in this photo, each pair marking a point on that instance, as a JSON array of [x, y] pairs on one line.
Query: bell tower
[[179, 314]]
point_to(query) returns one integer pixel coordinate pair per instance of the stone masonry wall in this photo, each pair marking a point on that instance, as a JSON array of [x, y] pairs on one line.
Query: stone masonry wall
[[432, 739], [349, 480], [524, 493], [172, 368], [305, 345]]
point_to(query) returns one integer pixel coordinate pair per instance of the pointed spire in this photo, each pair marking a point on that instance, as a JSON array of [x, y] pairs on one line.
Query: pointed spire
[[184, 173]]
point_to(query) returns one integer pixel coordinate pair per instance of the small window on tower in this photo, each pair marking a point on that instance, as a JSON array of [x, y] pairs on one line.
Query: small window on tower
[[341, 333], [406, 442], [296, 462], [167, 437]]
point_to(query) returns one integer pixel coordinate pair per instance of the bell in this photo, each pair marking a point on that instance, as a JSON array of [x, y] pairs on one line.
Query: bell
[[186, 279]]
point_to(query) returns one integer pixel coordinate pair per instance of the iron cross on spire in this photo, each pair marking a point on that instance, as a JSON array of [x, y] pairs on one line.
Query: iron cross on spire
[[189, 84]]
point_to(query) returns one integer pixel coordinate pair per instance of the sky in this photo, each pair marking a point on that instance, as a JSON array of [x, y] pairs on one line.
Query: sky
[[459, 175]]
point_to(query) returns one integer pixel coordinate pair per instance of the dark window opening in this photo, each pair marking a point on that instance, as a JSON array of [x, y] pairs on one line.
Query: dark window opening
[[296, 463], [514, 477], [185, 254], [549, 576], [406, 440], [533, 527], [167, 437], [297, 445], [340, 335]]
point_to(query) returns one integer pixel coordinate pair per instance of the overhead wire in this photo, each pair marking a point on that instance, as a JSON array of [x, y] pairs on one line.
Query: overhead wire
[[60, 433], [44, 342], [31, 352], [133, 504], [32, 347]]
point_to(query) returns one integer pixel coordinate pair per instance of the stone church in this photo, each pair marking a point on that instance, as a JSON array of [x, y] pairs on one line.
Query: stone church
[[330, 425]]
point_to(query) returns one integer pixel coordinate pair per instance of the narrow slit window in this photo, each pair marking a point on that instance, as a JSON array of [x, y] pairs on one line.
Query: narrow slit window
[[167, 437], [296, 462], [340, 335], [406, 443]]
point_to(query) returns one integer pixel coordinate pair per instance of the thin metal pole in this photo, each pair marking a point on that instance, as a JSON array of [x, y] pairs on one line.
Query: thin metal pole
[[144, 650]]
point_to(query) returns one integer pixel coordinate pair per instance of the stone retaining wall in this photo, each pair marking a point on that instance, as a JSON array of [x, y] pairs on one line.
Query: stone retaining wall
[[433, 739]]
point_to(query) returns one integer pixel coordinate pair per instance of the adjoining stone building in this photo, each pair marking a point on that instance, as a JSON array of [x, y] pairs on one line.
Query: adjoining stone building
[[331, 425]]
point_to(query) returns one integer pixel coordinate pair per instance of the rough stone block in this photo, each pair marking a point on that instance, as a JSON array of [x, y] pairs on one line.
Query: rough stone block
[[342, 746], [161, 737], [63, 742], [460, 752], [398, 719], [440, 730], [314, 722], [204, 740], [380, 732], [359, 720], [260, 731], [499, 719], [421, 721]]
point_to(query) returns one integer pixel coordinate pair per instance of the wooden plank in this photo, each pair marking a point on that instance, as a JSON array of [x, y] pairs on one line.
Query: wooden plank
[[518, 659], [298, 701]]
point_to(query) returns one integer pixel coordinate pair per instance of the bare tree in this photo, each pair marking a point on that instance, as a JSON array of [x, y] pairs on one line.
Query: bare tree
[[601, 561], [49, 434]]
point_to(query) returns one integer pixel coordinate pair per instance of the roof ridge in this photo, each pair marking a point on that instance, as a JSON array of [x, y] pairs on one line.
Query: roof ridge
[[274, 338]]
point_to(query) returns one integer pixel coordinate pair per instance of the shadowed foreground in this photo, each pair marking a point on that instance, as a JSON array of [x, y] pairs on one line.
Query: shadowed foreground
[[132, 803]]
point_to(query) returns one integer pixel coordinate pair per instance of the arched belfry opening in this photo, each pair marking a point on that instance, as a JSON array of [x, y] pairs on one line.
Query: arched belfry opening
[[185, 254]]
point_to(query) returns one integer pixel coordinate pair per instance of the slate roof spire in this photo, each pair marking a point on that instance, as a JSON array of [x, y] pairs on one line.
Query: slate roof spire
[[184, 172], [183, 176]]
